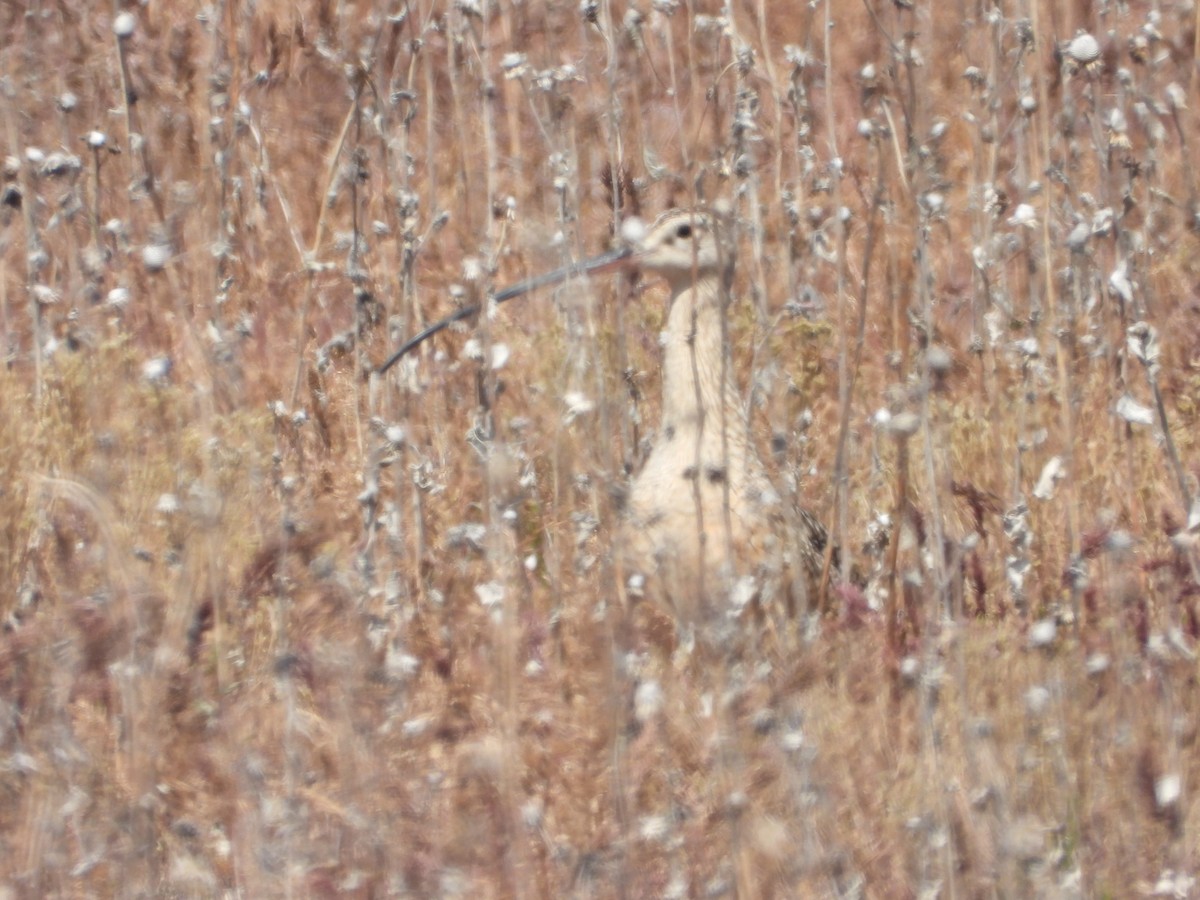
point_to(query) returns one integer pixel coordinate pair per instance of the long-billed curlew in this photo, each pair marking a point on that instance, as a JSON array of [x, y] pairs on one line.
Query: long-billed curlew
[[702, 513], [703, 525]]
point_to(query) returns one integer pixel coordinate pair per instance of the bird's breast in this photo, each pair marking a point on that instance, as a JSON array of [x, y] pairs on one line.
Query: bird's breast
[[698, 499]]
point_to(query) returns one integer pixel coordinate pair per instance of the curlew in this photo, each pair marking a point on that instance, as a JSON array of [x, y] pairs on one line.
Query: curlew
[[703, 528]]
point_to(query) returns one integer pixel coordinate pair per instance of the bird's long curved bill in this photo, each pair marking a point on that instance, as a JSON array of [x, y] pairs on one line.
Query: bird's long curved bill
[[606, 262]]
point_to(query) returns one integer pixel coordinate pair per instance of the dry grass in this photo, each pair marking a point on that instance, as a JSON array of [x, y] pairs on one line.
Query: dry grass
[[249, 649]]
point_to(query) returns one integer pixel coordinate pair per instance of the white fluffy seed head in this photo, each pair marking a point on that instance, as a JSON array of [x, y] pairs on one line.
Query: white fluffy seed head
[[1084, 48], [157, 368], [155, 256], [633, 230], [1176, 96], [1043, 633], [124, 24]]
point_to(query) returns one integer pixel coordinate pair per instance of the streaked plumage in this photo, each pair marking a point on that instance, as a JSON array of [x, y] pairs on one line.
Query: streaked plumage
[[702, 515]]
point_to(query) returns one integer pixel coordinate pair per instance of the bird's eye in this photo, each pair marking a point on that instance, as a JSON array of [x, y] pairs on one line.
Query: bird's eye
[[684, 231]]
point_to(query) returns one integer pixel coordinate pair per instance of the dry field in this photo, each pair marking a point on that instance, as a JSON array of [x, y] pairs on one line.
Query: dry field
[[276, 626]]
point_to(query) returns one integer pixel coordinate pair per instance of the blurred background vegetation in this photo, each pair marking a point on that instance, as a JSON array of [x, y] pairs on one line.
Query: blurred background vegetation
[[277, 626]]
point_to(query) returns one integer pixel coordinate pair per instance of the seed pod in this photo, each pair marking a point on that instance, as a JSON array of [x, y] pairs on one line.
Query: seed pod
[[1083, 49]]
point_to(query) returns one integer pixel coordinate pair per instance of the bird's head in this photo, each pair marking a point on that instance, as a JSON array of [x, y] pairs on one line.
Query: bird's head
[[682, 246]]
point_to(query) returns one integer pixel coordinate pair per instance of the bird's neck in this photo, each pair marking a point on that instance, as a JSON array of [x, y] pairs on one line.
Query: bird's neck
[[699, 392]]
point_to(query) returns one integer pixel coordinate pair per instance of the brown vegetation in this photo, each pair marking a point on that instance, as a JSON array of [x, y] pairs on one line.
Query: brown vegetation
[[275, 625]]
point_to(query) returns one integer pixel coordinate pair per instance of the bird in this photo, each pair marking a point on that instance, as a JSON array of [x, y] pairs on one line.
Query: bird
[[704, 526], [703, 530]]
